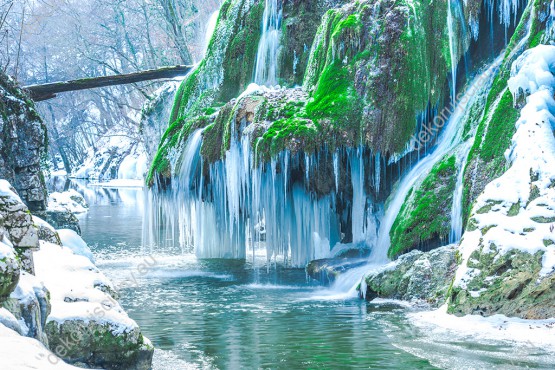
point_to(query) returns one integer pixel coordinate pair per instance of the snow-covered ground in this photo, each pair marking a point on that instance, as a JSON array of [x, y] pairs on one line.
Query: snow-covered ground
[[19, 352], [540, 333]]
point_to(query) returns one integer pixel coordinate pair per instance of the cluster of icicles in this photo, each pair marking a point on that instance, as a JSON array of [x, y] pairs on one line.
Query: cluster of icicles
[[247, 208]]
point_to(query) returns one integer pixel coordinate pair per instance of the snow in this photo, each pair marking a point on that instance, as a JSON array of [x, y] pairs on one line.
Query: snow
[[18, 352], [8, 320], [73, 241], [73, 283], [540, 333], [26, 287], [64, 202], [6, 190], [532, 165]]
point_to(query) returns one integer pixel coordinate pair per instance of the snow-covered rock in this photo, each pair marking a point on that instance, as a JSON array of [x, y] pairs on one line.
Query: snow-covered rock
[[47, 231], [69, 200], [508, 250], [87, 325], [416, 276], [16, 225], [29, 303]]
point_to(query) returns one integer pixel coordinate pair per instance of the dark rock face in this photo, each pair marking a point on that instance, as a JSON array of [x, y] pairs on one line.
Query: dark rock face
[[61, 219], [22, 144]]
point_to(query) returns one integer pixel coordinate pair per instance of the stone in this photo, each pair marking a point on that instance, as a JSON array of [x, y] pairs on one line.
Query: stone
[[30, 304], [22, 144], [9, 271], [17, 226], [73, 340], [419, 277]]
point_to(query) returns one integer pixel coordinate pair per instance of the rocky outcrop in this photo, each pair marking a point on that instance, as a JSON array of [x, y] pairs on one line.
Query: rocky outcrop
[[16, 225], [22, 145], [9, 271], [69, 306], [422, 278]]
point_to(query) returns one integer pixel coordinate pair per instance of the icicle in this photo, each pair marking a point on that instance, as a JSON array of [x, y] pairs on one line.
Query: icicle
[[336, 170]]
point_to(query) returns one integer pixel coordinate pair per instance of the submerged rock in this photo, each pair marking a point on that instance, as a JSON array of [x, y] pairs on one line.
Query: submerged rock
[[416, 276], [327, 270]]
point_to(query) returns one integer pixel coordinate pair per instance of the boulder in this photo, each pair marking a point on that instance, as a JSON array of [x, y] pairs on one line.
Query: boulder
[[17, 226], [416, 276], [30, 304]]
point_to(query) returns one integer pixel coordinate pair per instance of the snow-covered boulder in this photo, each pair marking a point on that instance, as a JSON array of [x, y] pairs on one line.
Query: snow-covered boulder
[[70, 200], [60, 218], [87, 325], [46, 231], [16, 225], [16, 222], [30, 305]]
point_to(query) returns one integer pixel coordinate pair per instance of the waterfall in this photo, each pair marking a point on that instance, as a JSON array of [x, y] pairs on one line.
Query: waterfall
[[266, 72], [235, 207], [450, 137], [210, 28], [457, 29], [456, 209]]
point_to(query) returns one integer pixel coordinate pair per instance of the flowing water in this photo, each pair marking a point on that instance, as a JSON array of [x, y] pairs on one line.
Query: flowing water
[[266, 72], [222, 314]]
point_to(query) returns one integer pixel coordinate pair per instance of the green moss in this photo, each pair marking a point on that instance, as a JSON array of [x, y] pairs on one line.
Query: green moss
[[335, 98], [424, 217]]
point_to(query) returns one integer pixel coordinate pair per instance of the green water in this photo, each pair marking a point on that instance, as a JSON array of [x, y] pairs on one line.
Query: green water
[[228, 315]]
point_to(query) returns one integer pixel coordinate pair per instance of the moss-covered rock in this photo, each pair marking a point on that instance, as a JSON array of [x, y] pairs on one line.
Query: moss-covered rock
[[415, 276], [95, 344], [424, 220], [497, 115], [507, 283], [225, 71]]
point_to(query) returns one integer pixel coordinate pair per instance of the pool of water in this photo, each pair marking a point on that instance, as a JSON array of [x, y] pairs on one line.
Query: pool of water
[[225, 314]]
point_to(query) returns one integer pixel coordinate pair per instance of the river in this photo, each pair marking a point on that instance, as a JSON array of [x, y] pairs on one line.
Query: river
[[225, 314]]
